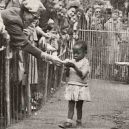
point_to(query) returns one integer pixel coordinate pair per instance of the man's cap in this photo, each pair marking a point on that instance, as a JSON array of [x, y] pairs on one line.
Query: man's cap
[[33, 6], [73, 4]]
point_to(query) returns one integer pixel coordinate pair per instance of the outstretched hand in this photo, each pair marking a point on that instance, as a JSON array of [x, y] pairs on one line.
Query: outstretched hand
[[55, 60], [69, 63]]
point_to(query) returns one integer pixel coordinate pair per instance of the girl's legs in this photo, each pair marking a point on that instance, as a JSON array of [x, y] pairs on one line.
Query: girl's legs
[[71, 106], [68, 123], [79, 105]]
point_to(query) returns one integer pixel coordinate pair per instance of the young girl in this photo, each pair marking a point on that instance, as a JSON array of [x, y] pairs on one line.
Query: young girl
[[77, 71]]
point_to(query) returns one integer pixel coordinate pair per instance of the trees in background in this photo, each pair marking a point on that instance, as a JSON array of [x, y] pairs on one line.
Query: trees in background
[[118, 4], [122, 5]]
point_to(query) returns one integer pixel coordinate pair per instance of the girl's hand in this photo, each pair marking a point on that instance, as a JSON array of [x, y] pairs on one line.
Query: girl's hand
[[69, 63], [67, 70]]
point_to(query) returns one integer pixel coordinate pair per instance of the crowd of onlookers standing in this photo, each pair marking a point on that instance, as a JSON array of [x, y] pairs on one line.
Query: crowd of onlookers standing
[[40, 27], [61, 22]]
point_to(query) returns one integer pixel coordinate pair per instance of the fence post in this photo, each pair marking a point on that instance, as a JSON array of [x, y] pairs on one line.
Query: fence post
[[61, 76], [55, 77], [28, 89], [7, 83], [46, 82]]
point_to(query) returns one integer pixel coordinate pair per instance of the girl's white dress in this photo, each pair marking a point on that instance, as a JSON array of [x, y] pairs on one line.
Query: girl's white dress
[[77, 88]]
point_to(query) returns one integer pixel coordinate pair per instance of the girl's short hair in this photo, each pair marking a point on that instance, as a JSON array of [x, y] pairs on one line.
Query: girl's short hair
[[82, 44]]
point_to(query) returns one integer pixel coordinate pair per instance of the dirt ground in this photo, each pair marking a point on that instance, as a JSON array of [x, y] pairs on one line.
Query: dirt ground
[[109, 109]]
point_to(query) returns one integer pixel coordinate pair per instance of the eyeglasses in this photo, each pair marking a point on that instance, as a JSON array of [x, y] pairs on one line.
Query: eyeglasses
[[97, 11]]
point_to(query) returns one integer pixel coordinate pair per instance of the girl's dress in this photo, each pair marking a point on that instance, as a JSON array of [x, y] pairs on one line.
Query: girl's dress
[[77, 88]]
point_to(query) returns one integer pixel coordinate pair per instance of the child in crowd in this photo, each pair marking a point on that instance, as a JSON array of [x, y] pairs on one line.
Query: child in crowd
[[50, 44], [52, 31], [77, 90]]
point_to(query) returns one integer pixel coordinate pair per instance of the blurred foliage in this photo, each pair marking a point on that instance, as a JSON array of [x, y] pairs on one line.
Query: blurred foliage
[[85, 3], [117, 4], [98, 2]]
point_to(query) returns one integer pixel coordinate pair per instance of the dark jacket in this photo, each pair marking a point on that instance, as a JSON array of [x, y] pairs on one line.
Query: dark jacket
[[12, 19]]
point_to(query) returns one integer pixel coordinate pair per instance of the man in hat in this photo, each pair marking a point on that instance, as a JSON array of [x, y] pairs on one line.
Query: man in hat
[[16, 19], [112, 38], [108, 14]]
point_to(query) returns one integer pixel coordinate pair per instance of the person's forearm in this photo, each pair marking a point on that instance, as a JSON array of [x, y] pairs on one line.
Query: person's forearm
[[78, 71], [50, 58], [39, 53], [29, 48], [46, 56], [67, 72], [86, 74], [43, 34], [40, 31]]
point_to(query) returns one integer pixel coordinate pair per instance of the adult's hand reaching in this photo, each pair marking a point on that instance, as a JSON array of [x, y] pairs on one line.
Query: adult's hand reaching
[[51, 58]]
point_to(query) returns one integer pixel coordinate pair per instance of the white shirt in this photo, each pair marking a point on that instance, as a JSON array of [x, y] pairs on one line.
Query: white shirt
[[83, 65]]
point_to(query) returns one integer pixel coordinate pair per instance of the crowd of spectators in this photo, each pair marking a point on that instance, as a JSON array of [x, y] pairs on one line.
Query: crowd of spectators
[[61, 20], [52, 28], [59, 23]]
